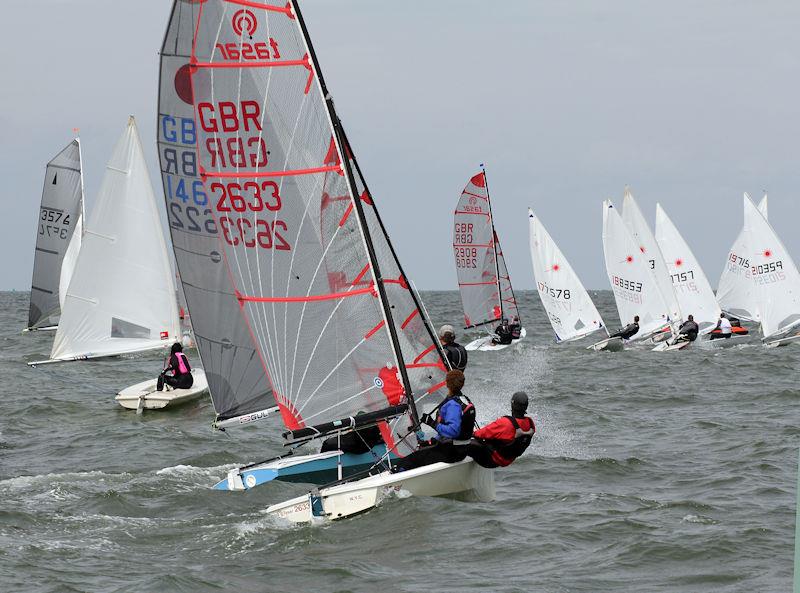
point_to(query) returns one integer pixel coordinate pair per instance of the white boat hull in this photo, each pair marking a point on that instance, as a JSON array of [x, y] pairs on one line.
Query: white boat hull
[[144, 395], [485, 344], [465, 480]]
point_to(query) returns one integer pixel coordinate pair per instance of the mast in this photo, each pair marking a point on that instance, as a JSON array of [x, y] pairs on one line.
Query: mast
[[358, 208], [494, 245]]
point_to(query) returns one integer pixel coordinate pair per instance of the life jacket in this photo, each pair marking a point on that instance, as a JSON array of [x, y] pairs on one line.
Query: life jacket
[[183, 364], [457, 355], [522, 438], [468, 416]]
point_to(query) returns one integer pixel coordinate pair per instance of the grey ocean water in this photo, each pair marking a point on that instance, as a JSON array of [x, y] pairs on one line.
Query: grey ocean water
[[649, 472]]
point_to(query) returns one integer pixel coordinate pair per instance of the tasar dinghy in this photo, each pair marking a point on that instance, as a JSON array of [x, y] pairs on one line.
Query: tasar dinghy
[[295, 292], [483, 279]]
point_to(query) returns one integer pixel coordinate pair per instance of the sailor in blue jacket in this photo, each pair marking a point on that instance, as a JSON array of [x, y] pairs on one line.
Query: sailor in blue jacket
[[448, 428]]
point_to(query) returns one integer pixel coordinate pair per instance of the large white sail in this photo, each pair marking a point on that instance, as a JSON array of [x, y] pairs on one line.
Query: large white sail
[[774, 274], [483, 279], [289, 239], [648, 246], [58, 236], [122, 294], [736, 291], [569, 307], [631, 277], [695, 295]]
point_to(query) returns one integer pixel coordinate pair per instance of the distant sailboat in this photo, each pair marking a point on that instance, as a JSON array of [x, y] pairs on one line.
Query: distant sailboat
[[569, 307], [483, 279], [635, 289], [649, 247], [58, 237], [121, 298], [695, 295], [736, 291]]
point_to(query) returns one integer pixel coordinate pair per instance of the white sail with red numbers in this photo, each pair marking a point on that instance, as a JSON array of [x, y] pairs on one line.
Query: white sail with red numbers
[[569, 307], [289, 238], [635, 289], [483, 278], [695, 295]]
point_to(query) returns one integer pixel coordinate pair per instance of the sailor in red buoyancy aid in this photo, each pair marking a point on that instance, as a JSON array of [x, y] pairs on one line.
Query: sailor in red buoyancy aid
[[178, 373], [498, 444]]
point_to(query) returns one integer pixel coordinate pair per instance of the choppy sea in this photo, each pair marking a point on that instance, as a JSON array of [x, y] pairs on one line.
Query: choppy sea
[[669, 472]]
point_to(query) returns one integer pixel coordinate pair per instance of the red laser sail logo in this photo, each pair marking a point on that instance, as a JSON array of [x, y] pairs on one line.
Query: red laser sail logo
[[244, 22]]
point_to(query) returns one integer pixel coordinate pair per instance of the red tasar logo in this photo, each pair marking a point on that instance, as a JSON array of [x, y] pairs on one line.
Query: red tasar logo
[[164, 335], [244, 22]]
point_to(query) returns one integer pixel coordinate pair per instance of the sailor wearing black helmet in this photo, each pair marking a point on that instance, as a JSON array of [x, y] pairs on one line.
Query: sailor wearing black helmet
[[456, 353], [498, 444], [178, 373]]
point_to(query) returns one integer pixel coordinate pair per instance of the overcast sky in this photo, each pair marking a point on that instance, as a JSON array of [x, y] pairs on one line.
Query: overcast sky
[[689, 102]]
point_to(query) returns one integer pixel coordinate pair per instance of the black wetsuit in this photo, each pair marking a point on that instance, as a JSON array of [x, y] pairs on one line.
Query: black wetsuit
[[502, 335], [627, 332], [176, 380], [689, 329], [456, 354], [516, 331]]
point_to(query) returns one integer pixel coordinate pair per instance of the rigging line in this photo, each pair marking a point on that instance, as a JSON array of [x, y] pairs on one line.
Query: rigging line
[[337, 404], [330, 373]]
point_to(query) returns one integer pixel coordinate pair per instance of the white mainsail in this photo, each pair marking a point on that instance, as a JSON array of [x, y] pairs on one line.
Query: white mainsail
[[736, 291], [774, 274], [648, 246], [695, 295], [569, 307], [632, 281], [121, 297], [58, 236]]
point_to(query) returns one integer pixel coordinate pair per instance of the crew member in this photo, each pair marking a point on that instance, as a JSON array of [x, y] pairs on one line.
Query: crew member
[[502, 334], [448, 426], [454, 351], [724, 327], [627, 332], [688, 330], [178, 373], [515, 327], [498, 444]]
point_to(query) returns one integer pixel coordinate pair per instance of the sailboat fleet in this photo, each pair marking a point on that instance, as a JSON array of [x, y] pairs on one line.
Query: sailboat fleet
[[301, 309]]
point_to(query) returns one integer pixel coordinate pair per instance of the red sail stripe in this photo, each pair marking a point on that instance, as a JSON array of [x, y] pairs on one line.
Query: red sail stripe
[[290, 173], [360, 275], [346, 214], [475, 213], [409, 318], [287, 10], [307, 299], [475, 195], [471, 245], [424, 353], [476, 283], [437, 387], [372, 332]]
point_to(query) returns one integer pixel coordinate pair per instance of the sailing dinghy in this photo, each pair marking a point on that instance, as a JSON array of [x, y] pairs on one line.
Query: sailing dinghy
[[569, 307], [121, 298], [776, 279], [483, 279], [632, 282], [737, 291], [58, 237], [287, 269], [144, 396]]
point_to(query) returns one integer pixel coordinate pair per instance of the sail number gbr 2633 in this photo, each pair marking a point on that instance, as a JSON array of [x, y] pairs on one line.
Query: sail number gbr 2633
[[234, 198]]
